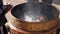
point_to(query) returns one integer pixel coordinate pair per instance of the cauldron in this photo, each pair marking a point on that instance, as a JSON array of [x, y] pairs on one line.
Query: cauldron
[[35, 16]]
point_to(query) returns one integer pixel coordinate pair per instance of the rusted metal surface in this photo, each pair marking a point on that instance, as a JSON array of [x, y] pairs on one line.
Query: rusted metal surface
[[16, 32]]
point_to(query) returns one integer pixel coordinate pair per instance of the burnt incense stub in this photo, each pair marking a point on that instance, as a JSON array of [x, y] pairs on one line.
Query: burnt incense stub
[[35, 16]]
